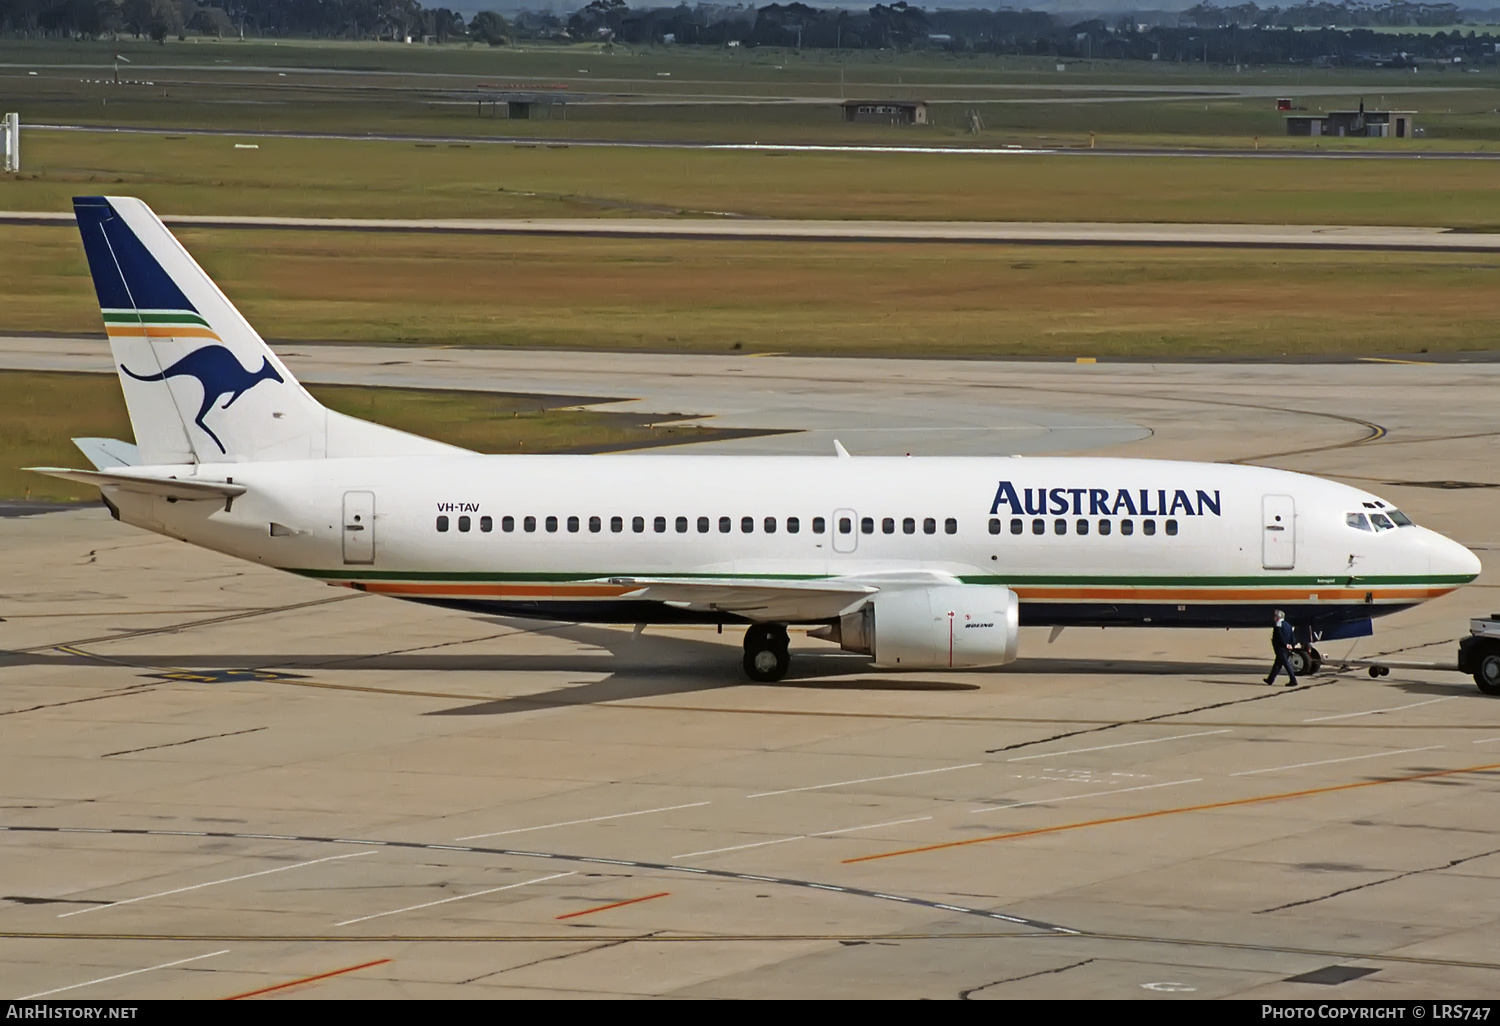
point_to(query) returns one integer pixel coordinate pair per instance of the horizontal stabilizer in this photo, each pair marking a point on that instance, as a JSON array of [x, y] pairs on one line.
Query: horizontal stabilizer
[[167, 487], [108, 453], [764, 599]]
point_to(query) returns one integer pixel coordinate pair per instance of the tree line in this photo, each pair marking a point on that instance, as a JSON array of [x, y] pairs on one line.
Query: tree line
[[1241, 34]]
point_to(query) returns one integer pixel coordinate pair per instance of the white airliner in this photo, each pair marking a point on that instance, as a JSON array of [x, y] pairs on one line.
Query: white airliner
[[921, 563]]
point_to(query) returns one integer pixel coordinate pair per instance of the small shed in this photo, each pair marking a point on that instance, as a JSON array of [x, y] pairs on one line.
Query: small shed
[[886, 112], [1361, 124]]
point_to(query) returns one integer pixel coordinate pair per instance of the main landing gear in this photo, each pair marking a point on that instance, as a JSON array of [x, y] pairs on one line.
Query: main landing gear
[[766, 655]]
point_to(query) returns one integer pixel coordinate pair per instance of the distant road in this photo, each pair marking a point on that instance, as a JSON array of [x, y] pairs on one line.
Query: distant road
[[635, 144], [1231, 236]]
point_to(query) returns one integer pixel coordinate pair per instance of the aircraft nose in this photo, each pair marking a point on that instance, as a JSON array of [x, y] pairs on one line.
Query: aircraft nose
[[1449, 558]]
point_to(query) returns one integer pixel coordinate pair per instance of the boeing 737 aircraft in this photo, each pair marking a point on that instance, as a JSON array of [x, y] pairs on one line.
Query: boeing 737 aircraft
[[919, 562]]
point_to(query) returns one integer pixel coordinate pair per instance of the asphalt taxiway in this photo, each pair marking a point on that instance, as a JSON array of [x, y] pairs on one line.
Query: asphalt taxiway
[[1370, 238], [219, 781]]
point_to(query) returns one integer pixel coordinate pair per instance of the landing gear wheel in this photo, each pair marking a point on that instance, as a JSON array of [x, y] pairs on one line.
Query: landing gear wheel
[[766, 656], [1487, 672], [1301, 661]]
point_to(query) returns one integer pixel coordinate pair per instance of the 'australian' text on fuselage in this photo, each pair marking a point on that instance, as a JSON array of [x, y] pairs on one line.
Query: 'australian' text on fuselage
[[1104, 502]]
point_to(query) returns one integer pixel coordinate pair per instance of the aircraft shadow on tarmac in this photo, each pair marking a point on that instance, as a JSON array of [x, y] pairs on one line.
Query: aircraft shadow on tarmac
[[637, 666]]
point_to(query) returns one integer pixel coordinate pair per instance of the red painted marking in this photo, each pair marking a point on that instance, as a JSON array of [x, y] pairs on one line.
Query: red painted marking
[[307, 979], [617, 904]]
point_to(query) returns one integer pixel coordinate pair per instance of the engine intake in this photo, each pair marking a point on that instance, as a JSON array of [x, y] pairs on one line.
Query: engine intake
[[949, 626]]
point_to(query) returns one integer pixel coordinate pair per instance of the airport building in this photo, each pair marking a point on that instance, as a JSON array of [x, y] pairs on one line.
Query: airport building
[[1371, 124], [886, 112]]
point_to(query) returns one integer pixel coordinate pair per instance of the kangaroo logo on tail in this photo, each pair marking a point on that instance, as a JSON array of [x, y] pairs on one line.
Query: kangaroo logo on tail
[[220, 373]]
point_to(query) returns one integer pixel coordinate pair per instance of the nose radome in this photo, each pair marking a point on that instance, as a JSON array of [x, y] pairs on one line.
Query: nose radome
[[1451, 558]]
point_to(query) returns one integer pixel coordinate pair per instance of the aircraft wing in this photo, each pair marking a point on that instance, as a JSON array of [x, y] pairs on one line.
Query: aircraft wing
[[168, 487], [765, 599]]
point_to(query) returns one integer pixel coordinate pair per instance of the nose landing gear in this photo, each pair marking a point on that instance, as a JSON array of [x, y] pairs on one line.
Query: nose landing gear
[[766, 656], [1305, 661]]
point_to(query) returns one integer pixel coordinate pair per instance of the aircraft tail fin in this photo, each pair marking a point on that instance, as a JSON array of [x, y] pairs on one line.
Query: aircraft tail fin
[[200, 383]]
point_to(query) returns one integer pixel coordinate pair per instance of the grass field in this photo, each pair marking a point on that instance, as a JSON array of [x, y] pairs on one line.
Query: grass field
[[930, 299], [705, 94], [756, 296], [199, 175], [41, 412]]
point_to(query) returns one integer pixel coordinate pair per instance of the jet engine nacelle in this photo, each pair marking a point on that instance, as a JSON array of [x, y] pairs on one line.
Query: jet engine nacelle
[[947, 626]]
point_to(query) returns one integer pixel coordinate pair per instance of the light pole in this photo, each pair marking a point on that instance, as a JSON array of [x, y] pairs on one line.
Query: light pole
[[118, 59]]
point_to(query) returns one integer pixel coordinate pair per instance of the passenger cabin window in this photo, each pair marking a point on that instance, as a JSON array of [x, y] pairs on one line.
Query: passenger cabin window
[[725, 525], [1082, 527], [529, 524], [1039, 527], [846, 525], [682, 525], [929, 526], [703, 525], [819, 525], [1357, 521], [770, 525], [463, 523], [1148, 526], [793, 525], [1017, 525], [1127, 527], [1104, 527], [909, 526], [616, 524], [1381, 522], [637, 524], [1171, 527], [442, 523], [486, 524], [950, 526], [747, 525], [572, 525], [507, 524], [659, 525], [595, 525], [867, 525], [887, 526], [995, 526], [551, 525], [1059, 526]]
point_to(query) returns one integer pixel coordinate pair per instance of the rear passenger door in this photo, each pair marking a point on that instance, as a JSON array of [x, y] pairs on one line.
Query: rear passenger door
[[359, 527]]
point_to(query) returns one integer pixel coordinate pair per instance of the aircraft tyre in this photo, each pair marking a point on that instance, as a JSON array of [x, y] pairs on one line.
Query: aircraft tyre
[[1487, 670], [1303, 661], [766, 657]]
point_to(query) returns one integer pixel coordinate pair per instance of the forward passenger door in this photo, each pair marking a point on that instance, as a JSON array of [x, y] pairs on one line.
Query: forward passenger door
[[1278, 548]]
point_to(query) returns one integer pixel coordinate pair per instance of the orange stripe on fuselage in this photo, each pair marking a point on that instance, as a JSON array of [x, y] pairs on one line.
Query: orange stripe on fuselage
[[1193, 596], [1059, 594]]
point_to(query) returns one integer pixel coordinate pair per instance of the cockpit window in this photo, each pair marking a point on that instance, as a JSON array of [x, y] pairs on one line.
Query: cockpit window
[[1382, 522], [1401, 519], [1357, 520]]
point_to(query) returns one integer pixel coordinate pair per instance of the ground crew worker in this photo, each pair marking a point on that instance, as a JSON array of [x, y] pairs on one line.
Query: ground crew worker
[[1282, 640]]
